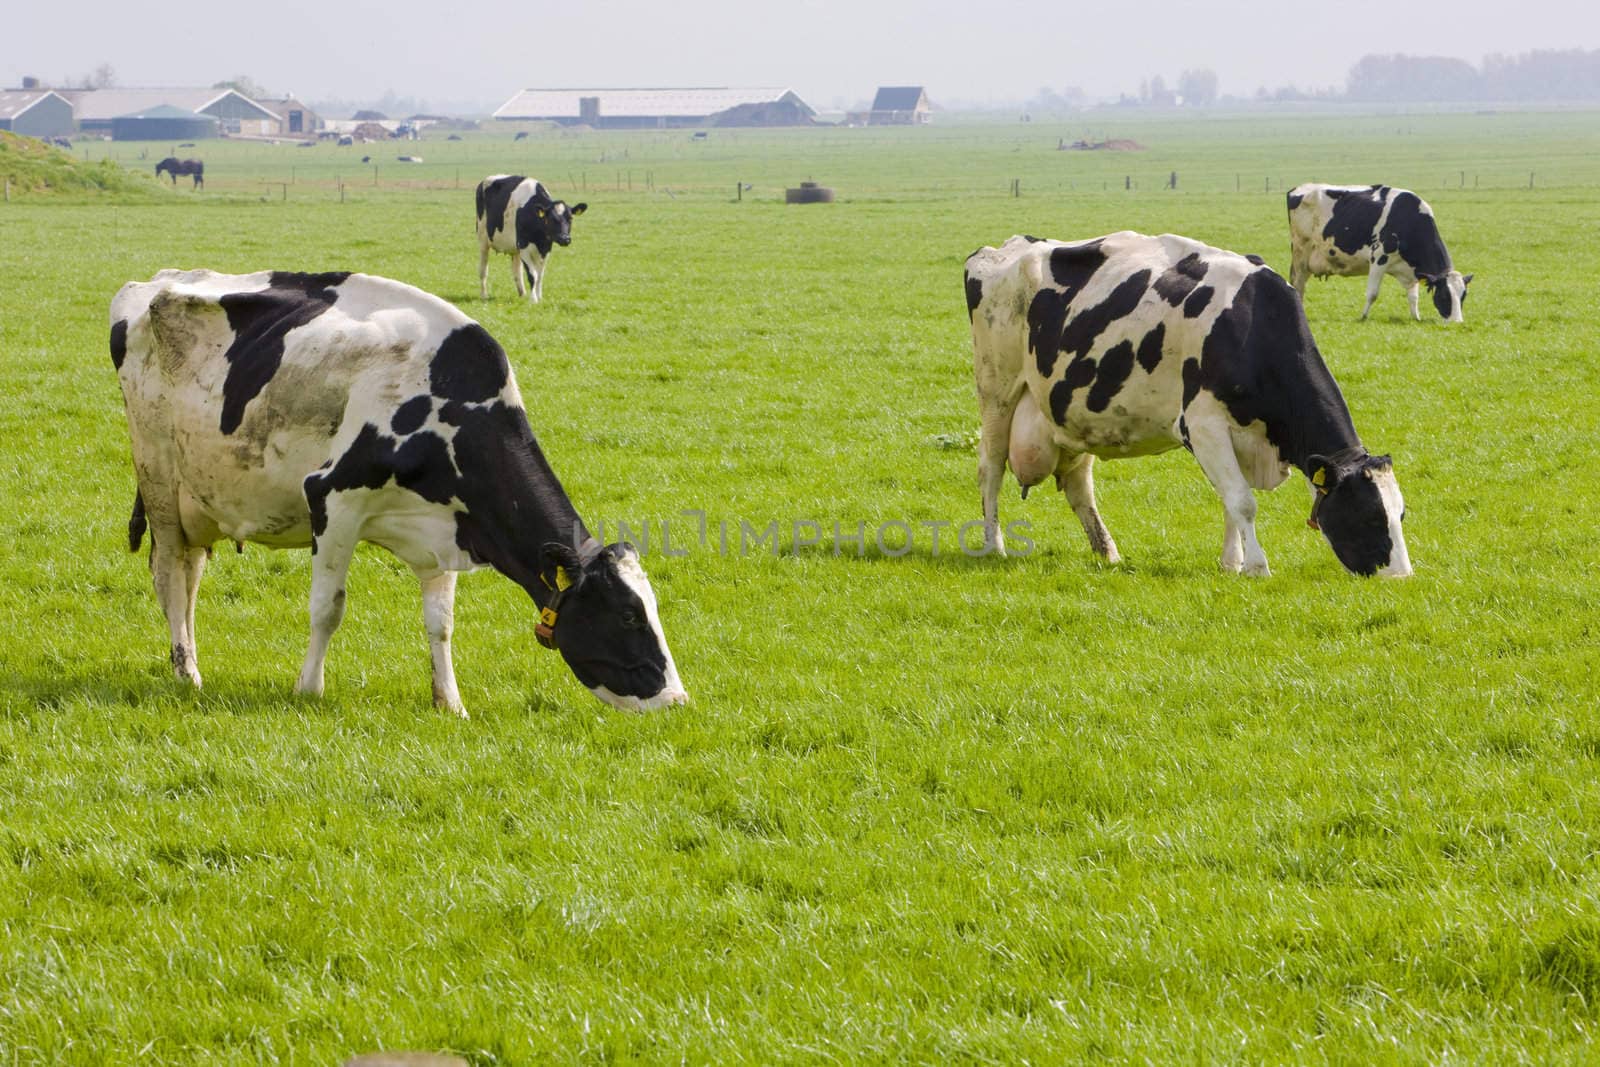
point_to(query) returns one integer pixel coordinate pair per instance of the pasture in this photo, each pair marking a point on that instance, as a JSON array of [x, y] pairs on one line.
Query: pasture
[[923, 806]]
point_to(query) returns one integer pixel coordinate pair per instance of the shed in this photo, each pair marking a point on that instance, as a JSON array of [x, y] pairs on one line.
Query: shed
[[642, 108], [294, 118], [36, 113], [163, 123], [98, 108], [900, 105]]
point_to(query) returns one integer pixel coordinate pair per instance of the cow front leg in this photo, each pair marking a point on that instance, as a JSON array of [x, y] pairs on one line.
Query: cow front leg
[[330, 566], [1374, 279], [516, 274], [1212, 443], [438, 617], [1076, 480], [483, 272], [1411, 298], [535, 276], [994, 442]]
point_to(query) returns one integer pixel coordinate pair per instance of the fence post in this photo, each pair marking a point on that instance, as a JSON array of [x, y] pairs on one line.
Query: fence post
[[1127, 181], [374, 174]]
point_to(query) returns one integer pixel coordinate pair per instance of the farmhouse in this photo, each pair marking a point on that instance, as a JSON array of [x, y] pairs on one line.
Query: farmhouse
[[97, 109], [36, 112], [899, 105], [294, 118], [636, 109]]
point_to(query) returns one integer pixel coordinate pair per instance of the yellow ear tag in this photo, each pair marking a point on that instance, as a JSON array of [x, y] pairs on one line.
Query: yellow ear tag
[[541, 213], [547, 616], [1316, 479], [563, 580]]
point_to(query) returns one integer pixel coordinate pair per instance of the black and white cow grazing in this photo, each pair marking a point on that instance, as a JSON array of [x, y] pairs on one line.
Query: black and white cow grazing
[[329, 409], [1372, 230], [1129, 345], [519, 217]]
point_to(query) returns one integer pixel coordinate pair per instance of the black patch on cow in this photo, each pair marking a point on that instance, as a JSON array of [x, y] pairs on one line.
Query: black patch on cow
[[974, 295], [1353, 519], [1071, 266], [1085, 326], [1115, 366], [1383, 259], [493, 196], [470, 366], [409, 417], [1080, 372], [1294, 200], [1412, 233], [1257, 260], [1197, 301], [1178, 280], [1047, 314], [1191, 381], [260, 321], [119, 342], [1354, 219], [420, 463], [537, 226], [136, 522], [1442, 298], [1031, 239], [1149, 354]]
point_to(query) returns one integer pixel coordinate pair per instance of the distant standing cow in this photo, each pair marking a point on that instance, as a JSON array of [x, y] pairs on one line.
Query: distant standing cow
[[174, 166], [519, 217], [1129, 345], [1374, 230]]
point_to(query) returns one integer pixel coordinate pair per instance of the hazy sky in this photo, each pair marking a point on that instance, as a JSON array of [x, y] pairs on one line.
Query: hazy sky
[[830, 51]]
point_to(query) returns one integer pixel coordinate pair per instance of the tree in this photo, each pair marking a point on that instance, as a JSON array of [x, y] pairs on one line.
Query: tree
[[244, 85], [104, 77], [1198, 87]]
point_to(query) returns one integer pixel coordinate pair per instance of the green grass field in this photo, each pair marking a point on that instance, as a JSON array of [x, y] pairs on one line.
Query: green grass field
[[923, 807]]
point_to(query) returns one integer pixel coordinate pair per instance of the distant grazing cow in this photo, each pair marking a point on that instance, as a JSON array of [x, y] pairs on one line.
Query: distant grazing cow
[[519, 217], [1372, 230], [328, 409], [1129, 345], [175, 166]]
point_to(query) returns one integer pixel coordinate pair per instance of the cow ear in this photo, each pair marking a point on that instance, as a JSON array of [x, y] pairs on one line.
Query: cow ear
[[1323, 474], [560, 554], [1381, 463], [579, 209], [1429, 280], [1466, 280]]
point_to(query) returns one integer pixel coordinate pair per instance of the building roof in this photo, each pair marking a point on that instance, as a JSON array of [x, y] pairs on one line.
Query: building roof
[[898, 98], [14, 102], [281, 105], [637, 103], [167, 111], [94, 105]]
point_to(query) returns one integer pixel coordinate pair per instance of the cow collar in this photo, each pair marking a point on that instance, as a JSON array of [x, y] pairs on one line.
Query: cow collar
[[558, 584]]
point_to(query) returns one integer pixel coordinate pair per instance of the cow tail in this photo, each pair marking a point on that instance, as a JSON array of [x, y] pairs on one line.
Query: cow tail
[[136, 523], [480, 200]]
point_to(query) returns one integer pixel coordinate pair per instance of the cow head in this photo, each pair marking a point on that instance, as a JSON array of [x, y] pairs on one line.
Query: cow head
[[1449, 292], [1358, 508], [544, 223], [603, 621]]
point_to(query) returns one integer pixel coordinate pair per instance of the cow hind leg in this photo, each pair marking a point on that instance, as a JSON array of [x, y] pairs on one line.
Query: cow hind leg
[[1212, 444], [994, 443], [1299, 273], [516, 274], [483, 272], [1374, 279], [331, 552], [1076, 479], [175, 569], [438, 617]]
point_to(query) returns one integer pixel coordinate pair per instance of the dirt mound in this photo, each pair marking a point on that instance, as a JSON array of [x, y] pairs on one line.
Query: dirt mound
[[1116, 144]]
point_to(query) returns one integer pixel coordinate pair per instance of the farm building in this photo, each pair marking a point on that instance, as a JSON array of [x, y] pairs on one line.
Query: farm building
[[36, 112], [294, 118], [636, 109], [899, 105], [163, 123], [96, 109]]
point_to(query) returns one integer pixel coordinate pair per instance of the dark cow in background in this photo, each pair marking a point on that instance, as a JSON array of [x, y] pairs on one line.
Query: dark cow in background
[[1129, 345], [1372, 230], [519, 217], [173, 166], [329, 409]]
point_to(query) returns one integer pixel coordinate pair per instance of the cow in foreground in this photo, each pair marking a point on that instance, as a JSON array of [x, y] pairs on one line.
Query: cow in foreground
[[1129, 345], [173, 166], [323, 410], [519, 217], [1372, 230]]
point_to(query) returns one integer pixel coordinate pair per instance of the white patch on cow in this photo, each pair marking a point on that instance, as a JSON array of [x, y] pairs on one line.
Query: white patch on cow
[[672, 691], [1394, 506], [1259, 460]]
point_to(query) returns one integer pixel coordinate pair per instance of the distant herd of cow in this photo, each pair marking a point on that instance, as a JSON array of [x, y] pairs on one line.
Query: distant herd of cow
[[324, 410]]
